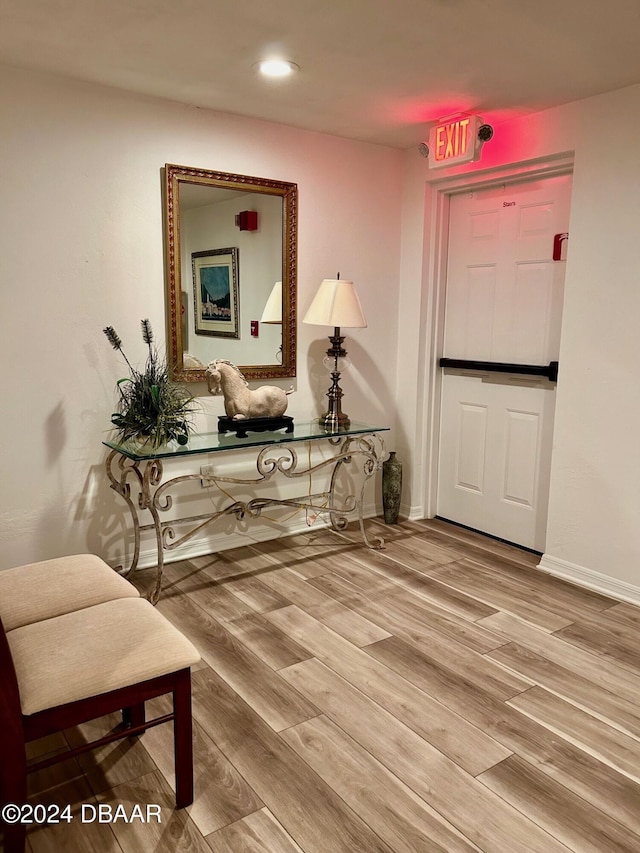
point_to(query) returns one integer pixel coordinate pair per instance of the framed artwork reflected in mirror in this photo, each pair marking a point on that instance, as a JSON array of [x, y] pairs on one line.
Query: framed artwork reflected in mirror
[[216, 306]]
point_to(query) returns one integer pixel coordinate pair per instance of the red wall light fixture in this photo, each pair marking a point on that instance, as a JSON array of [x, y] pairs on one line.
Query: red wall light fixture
[[247, 220], [455, 140]]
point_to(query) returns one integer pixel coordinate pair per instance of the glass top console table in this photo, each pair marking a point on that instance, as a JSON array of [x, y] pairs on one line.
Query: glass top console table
[[131, 469]]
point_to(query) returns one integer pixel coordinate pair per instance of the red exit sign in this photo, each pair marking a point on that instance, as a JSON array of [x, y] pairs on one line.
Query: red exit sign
[[454, 141]]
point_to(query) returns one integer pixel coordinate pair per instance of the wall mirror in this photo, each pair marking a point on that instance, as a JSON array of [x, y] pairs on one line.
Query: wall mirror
[[230, 241]]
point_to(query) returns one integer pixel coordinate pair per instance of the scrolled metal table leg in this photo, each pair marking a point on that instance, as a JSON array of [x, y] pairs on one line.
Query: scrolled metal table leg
[[378, 541], [338, 522], [120, 485], [152, 478]]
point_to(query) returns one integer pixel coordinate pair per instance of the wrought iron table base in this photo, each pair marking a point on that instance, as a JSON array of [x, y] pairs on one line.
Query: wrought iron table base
[[127, 474]]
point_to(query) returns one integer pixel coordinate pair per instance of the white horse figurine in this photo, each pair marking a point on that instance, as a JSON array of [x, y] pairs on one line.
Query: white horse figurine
[[240, 402]]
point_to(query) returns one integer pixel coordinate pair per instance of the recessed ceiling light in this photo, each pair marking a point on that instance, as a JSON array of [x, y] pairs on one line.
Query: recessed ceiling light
[[276, 67]]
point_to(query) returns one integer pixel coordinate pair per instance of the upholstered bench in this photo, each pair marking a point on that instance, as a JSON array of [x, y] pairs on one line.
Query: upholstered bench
[[53, 587], [77, 642]]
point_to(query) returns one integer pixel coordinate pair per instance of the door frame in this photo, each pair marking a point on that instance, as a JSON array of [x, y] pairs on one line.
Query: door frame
[[428, 431]]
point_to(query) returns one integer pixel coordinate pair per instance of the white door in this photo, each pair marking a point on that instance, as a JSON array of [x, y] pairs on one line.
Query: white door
[[503, 304]]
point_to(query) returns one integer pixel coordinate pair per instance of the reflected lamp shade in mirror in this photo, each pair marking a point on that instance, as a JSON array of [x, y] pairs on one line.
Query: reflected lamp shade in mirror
[[272, 314], [273, 309]]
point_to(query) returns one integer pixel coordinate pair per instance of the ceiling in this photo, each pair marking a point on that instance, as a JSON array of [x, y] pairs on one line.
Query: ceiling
[[374, 70]]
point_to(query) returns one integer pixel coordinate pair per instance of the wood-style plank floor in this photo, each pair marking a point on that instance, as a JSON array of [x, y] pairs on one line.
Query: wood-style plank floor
[[440, 695]]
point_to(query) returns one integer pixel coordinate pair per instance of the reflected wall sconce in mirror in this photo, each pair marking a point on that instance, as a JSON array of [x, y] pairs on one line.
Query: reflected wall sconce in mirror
[[336, 304], [247, 220], [272, 314]]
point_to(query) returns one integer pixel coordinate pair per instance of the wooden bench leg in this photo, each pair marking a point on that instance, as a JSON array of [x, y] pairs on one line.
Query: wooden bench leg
[[13, 789], [13, 754], [14, 838], [133, 716], [183, 739]]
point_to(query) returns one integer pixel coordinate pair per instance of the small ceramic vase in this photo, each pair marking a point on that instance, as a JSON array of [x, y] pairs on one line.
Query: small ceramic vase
[[391, 488]]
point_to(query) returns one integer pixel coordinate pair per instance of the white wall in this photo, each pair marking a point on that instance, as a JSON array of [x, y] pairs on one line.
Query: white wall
[[594, 515], [82, 248]]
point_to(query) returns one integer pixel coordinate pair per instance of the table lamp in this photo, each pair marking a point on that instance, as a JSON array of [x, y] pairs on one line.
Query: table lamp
[[335, 304]]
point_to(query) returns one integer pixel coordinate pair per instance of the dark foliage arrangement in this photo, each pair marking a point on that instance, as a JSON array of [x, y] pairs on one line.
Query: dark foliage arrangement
[[151, 407]]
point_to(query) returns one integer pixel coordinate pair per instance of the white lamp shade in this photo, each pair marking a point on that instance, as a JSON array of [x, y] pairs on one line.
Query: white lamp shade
[[336, 304], [273, 309]]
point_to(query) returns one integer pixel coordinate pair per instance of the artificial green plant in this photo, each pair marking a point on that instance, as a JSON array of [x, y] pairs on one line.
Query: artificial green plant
[[151, 407]]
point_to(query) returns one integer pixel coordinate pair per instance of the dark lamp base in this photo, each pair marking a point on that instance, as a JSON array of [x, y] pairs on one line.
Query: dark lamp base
[[335, 421]]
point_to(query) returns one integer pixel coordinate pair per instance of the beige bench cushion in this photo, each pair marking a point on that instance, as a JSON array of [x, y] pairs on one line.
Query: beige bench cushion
[[93, 651], [54, 587]]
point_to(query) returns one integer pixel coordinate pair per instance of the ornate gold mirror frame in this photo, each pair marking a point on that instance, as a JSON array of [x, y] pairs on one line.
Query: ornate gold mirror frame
[[178, 291]]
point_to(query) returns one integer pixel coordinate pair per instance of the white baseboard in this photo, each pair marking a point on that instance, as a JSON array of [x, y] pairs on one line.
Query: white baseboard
[[579, 575], [413, 513]]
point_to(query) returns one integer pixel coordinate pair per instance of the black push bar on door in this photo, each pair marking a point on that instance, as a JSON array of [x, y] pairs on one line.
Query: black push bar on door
[[550, 371]]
